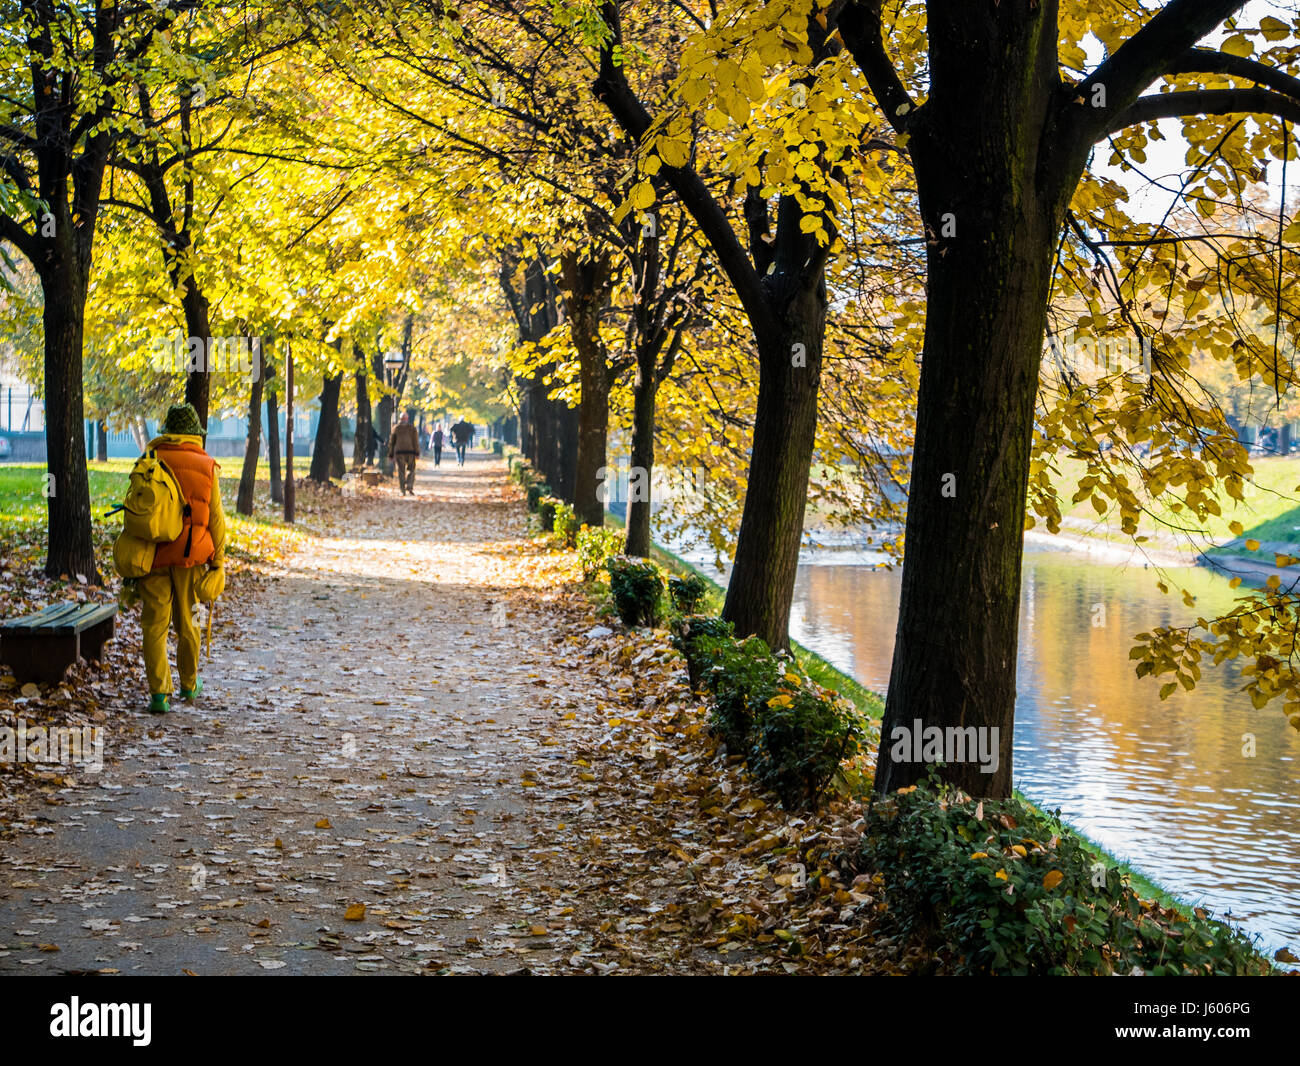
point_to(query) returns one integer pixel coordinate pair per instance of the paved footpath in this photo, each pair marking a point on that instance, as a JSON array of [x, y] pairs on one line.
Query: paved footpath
[[389, 721]]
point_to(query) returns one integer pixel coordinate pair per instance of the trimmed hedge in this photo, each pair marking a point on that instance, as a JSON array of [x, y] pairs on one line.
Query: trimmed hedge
[[637, 586], [1000, 887], [794, 734]]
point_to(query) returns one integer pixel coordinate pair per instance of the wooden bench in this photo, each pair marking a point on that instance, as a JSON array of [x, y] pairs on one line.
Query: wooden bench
[[42, 646]]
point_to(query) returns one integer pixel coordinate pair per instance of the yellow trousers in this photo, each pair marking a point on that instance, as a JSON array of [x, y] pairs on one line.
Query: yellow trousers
[[168, 597]]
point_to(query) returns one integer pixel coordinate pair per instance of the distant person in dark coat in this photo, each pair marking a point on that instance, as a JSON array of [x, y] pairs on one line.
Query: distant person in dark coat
[[404, 449], [462, 436]]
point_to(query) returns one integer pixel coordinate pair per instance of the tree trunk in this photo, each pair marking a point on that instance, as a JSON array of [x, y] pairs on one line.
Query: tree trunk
[[329, 433], [644, 389], [383, 414], [71, 544], [290, 487], [101, 440], [992, 225], [197, 382], [587, 283], [761, 587], [253, 449], [273, 444], [363, 447]]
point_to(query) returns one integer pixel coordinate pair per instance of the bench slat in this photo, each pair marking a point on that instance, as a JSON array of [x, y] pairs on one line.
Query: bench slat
[[59, 618], [34, 623], [92, 617], [33, 619]]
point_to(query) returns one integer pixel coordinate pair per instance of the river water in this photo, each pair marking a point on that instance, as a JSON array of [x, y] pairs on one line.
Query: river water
[[1165, 786]]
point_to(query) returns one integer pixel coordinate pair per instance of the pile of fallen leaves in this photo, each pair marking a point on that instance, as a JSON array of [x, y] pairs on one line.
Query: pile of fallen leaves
[[691, 868]]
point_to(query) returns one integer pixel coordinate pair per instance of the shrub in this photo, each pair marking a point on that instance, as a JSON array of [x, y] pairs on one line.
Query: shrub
[[535, 493], [793, 734], [595, 545], [1000, 887], [801, 736], [565, 524], [742, 678], [546, 508], [637, 587], [687, 592], [700, 638]]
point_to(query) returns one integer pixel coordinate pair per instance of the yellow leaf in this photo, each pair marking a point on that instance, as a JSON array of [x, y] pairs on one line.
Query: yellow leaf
[[355, 913], [1237, 45], [1052, 878], [324, 823], [792, 678], [1234, 582], [642, 195], [1274, 29], [1001, 875], [1252, 545], [979, 855], [1237, 528], [673, 153]]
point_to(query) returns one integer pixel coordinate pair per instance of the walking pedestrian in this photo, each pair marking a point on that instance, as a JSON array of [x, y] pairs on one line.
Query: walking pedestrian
[[436, 438], [462, 435], [169, 592], [404, 449]]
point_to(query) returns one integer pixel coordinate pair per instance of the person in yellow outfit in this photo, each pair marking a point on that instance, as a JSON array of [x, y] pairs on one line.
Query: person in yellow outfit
[[169, 592]]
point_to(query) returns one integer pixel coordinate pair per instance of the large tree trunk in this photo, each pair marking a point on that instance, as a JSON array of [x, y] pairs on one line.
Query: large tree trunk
[[761, 587], [71, 544], [253, 449], [273, 444], [587, 283], [993, 221], [329, 434], [639, 504]]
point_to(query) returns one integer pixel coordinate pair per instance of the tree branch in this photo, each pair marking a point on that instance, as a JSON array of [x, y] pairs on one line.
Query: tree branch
[[1206, 102], [612, 89], [1145, 56], [25, 242], [861, 24], [1207, 61]]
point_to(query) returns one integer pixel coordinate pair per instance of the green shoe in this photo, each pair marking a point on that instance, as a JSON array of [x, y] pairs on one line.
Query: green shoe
[[158, 703], [192, 694]]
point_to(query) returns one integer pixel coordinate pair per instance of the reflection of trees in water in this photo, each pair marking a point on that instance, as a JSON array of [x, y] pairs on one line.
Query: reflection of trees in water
[[1164, 782]]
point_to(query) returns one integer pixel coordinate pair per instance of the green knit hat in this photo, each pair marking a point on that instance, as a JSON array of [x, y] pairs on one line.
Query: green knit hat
[[183, 419]]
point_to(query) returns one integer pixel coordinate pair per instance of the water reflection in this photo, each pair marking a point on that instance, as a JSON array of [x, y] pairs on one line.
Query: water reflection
[[1164, 785]]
